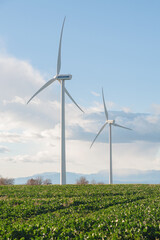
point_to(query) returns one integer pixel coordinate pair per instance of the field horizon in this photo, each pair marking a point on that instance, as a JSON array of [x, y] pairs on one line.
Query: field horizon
[[122, 176]]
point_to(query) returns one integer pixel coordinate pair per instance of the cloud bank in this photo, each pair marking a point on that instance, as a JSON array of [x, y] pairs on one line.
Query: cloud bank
[[30, 134]]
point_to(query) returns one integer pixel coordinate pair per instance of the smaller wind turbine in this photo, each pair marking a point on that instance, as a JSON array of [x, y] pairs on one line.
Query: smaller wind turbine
[[110, 122]]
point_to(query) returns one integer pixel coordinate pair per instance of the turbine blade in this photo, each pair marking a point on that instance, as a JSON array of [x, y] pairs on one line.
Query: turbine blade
[[72, 99], [105, 109], [117, 125], [43, 87], [59, 51], [99, 133]]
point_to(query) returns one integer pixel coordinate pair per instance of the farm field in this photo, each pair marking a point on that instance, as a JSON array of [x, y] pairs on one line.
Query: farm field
[[80, 212]]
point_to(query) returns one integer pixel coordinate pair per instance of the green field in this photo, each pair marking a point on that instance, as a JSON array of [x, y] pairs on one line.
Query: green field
[[80, 212]]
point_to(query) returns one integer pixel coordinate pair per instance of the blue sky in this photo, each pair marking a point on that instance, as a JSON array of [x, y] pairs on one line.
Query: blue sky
[[114, 44]]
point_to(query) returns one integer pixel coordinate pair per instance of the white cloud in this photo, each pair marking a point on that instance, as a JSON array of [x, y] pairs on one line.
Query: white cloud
[[40, 157], [111, 106], [126, 109], [4, 149], [18, 78], [155, 108], [95, 93], [16, 99]]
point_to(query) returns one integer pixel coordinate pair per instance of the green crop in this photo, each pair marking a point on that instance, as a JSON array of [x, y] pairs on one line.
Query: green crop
[[80, 212]]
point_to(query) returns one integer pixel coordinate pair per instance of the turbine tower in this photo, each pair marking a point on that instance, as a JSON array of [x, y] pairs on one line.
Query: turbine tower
[[110, 122], [61, 78]]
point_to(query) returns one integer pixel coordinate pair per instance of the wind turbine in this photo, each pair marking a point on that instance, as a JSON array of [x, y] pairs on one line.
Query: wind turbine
[[110, 122], [61, 78]]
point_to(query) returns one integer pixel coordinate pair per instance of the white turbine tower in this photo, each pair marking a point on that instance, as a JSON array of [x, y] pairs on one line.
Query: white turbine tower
[[110, 122], [61, 78]]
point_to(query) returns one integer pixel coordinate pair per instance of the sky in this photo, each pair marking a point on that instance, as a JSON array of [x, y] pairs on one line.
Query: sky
[[109, 44]]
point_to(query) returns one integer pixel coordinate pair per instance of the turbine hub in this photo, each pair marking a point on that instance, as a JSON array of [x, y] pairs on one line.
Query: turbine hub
[[64, 77]]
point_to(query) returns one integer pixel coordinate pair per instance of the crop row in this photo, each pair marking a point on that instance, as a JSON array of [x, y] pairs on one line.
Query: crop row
[[80, 212]]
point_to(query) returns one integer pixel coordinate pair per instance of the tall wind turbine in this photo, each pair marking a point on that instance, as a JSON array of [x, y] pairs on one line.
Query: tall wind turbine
[[110, 122], [61, 78]]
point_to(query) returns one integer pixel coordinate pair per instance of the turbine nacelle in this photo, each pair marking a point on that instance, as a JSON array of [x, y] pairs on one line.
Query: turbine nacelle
[[63, 77], [111, 121]]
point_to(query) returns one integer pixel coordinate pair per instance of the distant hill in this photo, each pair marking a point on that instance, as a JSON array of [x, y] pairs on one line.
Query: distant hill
[[119, 176]]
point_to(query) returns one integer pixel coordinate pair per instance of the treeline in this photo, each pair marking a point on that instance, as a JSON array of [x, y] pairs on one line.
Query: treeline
[[39, 181], [6, 181], [31, 181], [83, 181]]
